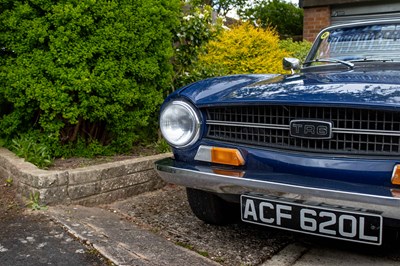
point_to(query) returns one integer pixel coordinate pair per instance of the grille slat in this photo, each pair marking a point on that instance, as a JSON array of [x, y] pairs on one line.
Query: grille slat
[[355, 131]]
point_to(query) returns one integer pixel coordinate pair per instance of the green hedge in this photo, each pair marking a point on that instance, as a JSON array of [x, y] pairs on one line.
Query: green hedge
[[297, 50], [91, 70]]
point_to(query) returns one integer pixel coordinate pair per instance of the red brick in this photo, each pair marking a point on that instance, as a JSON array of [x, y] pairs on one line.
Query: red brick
[[315, 19]]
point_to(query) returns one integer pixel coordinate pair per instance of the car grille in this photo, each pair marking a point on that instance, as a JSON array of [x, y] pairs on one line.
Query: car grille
[[355, 131]]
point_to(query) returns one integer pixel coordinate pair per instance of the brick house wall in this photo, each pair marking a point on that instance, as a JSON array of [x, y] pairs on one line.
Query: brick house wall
[[319, 14], [315, 19]]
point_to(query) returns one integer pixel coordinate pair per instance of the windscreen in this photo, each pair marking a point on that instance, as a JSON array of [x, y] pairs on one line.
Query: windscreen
[[371, 42]]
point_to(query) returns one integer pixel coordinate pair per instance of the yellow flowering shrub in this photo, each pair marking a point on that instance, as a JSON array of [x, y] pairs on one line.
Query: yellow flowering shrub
[[245, 49]]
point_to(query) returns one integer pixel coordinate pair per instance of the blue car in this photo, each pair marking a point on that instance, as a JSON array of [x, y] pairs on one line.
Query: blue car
[[317, 151]]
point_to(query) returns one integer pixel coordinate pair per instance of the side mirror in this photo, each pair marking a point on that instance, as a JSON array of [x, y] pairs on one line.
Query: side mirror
[[291, 64]]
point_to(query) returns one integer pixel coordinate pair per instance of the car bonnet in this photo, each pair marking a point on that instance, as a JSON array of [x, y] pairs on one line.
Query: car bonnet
[[350, 88]]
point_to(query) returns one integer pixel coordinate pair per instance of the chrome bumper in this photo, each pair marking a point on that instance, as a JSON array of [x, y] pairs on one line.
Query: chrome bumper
[[355, 197]]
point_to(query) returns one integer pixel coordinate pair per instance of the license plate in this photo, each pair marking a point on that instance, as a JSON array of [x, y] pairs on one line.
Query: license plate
[[324, 221]]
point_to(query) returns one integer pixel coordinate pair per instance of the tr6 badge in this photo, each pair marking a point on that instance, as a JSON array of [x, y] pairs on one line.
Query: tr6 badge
[[311, 129]]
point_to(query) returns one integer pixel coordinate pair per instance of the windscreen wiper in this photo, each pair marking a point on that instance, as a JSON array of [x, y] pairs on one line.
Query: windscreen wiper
[[331, 60], [372, 59]]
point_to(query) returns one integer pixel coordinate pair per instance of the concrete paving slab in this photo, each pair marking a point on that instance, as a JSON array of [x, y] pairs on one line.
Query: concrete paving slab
[[120, 241], [288, 255], [301, 254], [325, 257]]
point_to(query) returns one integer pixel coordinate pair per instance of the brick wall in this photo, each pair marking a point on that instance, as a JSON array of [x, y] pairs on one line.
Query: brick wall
[[315, 19]]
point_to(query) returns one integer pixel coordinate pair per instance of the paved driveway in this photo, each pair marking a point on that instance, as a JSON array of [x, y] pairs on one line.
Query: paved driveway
[[158, 228], [167, 213]]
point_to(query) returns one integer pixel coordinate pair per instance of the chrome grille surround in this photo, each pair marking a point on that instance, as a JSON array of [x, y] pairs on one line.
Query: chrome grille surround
[[355, 131]]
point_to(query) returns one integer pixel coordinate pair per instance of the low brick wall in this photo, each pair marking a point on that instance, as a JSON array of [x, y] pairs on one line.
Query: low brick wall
[[88, 186]]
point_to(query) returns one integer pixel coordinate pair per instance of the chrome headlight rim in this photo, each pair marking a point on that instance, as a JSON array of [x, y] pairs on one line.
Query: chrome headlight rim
[[193, 112]]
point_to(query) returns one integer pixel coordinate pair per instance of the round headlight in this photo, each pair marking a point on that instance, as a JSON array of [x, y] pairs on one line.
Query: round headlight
[[180, 124]]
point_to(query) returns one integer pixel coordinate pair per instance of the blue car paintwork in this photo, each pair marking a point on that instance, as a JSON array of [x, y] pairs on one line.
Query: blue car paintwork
[[346, 88], [216, 88], [367, 171], [372, 89]]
